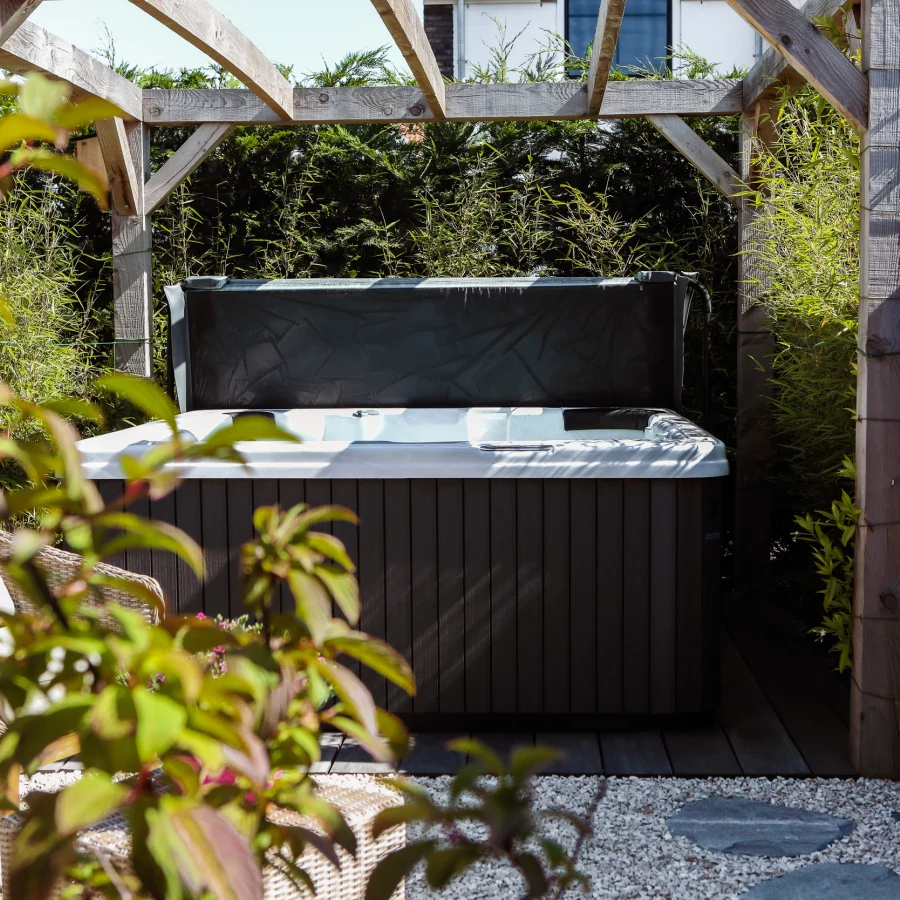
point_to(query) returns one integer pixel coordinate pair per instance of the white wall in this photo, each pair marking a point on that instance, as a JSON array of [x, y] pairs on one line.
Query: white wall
[[534, 16], [714, 31]]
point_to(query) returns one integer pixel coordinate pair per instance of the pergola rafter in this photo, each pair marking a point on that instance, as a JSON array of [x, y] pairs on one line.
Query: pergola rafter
[[12, 14], [606, 37], [868, 98], [402, 21], [808, 51], [202, 25], [34, 49]]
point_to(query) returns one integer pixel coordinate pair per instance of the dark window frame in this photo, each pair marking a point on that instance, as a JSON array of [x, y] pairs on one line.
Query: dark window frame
[[669, 26]]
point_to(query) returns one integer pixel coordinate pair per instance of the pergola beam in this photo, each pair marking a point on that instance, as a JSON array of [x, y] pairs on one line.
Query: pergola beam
[[33, 49], [609, 23], [406, 28], [772, 70], [811, 53], [202, 25], [181, 163], [465, 103], [12, 14], [721, 175]]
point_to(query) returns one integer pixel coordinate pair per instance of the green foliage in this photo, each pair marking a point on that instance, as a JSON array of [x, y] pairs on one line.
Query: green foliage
[[808, 247], [44, 115], [503, 811], [832, 534], [215, 725]]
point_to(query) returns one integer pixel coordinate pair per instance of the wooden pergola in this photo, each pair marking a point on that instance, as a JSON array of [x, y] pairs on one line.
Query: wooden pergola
[[867, 95]]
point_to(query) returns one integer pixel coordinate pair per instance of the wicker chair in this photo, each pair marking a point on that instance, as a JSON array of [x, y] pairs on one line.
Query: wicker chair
[[60, 568], [359, 804]]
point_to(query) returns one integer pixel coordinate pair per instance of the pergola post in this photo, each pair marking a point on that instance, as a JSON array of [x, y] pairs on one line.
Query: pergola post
[[875, 714], [132, 265], [755, 351]]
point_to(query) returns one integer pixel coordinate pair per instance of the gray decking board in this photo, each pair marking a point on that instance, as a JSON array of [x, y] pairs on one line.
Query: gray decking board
[[634, 753], [759, 738], [429, 755], [581, 753], [812, 723], [503, 744], [700, 752]]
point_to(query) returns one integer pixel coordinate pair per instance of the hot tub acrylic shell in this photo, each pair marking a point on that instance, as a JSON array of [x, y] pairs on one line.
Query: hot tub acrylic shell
[[531, 579]]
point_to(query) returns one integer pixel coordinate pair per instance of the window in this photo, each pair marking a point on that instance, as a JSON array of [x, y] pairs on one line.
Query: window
[[645, 36]]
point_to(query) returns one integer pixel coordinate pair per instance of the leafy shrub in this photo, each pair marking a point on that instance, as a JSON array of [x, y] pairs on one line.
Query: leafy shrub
[[216, 724], [808, 246], [832, 534]]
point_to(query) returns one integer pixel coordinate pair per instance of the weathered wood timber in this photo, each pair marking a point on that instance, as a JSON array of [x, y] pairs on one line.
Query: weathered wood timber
[[811, 53], [123, 183], [132, 263], [772, 71], [32, 49], [756, 347], [202, 25], [12, 14], [875, 714], [407, 30], [678, 133], [465, 102], [609, 24], [181, 163]]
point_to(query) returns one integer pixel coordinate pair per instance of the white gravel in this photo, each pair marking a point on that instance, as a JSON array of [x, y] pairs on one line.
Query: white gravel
[[632, 856]]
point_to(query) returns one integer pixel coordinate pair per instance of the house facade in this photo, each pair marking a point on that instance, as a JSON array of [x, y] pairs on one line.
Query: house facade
[[464, 32]]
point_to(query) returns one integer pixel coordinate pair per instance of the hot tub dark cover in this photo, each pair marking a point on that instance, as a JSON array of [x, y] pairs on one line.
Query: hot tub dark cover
[[429, 343]]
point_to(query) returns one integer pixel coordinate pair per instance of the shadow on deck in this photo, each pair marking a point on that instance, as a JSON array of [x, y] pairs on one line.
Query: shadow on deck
[[783, 712]]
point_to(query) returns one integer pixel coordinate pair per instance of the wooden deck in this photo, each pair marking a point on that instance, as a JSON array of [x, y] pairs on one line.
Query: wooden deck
[[783, 712]]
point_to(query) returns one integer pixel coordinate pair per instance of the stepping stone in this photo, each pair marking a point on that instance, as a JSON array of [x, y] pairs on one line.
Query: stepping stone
[[831, 881], [752, 828]]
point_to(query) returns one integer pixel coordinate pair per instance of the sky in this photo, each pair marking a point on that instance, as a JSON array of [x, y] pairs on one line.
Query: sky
[[293, 32]]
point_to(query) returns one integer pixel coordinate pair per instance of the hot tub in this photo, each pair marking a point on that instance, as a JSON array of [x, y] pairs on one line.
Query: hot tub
[[540, 567]]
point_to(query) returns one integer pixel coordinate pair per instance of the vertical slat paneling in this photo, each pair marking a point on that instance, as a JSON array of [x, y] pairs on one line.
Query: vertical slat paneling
[[451, 595], [398, 580], [214, 510], [137, 559], [371, 572], [503, 595], [164, 564], [343, 493], [240, 530], [189, 594], [477, 525], [663, 587], [110, 491], [610, 562], [584, 596], [265, 493], [711, 609], [636, 593], [690, 594], [530, 588], [425, 657], [557, 696]]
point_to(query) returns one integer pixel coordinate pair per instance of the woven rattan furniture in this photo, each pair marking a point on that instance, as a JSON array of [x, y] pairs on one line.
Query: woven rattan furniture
[[359, 804], [61, 567]]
